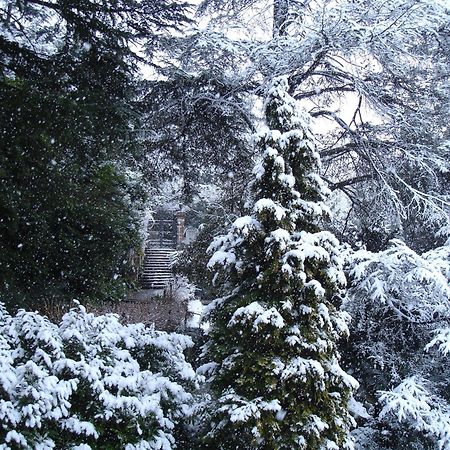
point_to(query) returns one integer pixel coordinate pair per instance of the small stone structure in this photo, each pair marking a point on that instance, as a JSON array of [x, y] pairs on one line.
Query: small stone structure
[[180, 224]]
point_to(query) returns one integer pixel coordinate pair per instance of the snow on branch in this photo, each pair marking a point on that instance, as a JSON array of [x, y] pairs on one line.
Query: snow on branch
[[412, 403], [413, 287]]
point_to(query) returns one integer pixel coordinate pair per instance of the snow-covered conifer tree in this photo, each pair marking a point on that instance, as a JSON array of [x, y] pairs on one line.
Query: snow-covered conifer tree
[[274, 367]]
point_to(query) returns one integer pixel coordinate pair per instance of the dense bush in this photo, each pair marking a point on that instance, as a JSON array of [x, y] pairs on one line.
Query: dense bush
[[91, 382]]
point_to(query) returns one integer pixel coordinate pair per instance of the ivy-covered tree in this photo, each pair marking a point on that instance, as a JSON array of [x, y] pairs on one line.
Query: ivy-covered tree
[[273, 363]]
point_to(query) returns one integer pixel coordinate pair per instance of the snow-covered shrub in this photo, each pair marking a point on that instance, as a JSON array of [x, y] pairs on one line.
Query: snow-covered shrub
[[91, 382], [400, 306]]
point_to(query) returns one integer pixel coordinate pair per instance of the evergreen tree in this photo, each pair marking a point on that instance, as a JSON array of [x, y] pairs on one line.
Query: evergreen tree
[[275, 370], [199, 121], [68, 219]]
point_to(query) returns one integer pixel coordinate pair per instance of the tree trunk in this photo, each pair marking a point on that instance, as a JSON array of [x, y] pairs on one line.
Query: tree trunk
[[280, 17]]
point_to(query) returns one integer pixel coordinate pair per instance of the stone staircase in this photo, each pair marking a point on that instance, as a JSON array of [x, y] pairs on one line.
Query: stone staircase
[[156, 272], [157, 267]]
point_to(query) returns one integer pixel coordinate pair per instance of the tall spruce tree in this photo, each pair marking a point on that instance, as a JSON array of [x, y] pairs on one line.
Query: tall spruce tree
[[274, 367]]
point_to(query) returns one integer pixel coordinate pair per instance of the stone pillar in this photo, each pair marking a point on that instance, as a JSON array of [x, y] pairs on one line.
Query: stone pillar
[[181, 219]]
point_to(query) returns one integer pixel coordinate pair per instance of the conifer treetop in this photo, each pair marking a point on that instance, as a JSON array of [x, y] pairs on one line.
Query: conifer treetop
[[289, 143]]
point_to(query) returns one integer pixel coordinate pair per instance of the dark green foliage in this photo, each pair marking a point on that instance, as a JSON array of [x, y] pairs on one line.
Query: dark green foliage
[[211, 219], [197, 132], [66, 224], [194, 258], [67, 84]]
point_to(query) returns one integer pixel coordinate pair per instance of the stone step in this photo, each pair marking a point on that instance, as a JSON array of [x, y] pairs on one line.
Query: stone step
[[159, 252], [162, 266], [156, 274], [160, 243], [156, 265], [158, 248], [158, 262], [164, 269], [158, 278], [158, 259], [157, 269]]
